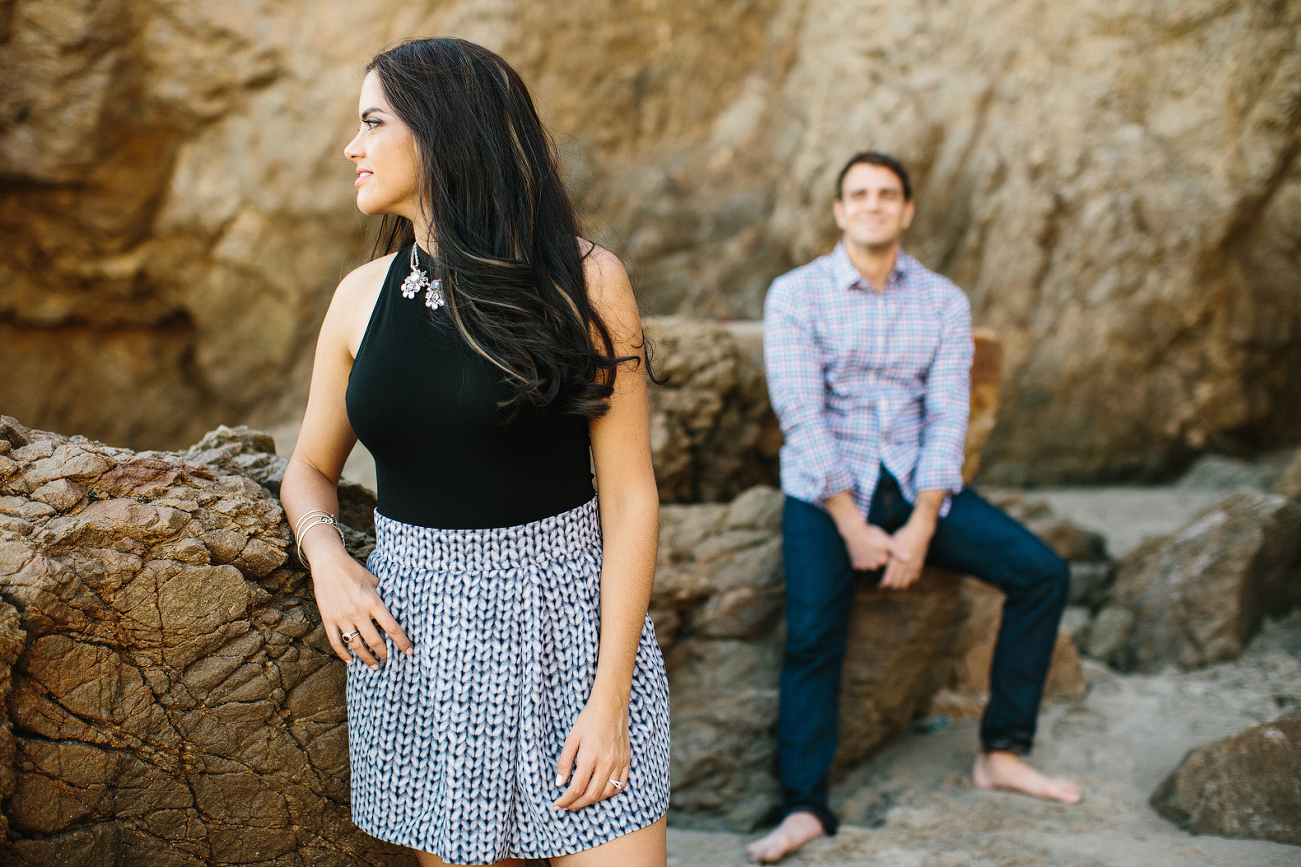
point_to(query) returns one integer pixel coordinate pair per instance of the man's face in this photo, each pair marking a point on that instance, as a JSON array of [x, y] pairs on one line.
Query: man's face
[[871, 210]]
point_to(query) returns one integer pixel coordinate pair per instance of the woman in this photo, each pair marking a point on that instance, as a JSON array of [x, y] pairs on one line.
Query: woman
[[511, 702]]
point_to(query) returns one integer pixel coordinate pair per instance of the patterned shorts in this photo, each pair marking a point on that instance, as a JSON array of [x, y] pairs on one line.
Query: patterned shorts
[[454, 749]]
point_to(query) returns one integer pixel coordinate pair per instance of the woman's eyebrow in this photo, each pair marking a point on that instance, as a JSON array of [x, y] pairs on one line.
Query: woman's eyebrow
[[370, 111]]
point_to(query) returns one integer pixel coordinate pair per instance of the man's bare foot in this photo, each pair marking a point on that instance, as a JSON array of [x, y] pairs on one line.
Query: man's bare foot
[[794, 831], [1003, 770]]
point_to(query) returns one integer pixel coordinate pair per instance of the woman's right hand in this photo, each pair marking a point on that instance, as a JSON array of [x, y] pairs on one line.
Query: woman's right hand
[[348, 602]]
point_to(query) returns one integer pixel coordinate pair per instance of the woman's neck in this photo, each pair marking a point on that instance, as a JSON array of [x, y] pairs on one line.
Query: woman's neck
[[425, 236]]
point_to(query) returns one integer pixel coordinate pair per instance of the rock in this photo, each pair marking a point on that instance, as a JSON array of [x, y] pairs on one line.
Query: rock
[[1089, 581], [1072, 543], [170, 692], [1069, 541], [252, 453], [967, 690], [722, 656], [1246, 785], [1197, 596], [179, 212], [986, 395], [1289, 483], [902, 647], [717, 606], [713, 433], [214, 730], [1223, 473]]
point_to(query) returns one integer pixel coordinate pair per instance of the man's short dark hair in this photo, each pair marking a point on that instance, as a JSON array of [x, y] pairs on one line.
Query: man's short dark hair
[[873, 158]]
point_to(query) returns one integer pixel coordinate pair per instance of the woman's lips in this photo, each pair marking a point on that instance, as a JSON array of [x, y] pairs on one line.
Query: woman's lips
[[362, 177]]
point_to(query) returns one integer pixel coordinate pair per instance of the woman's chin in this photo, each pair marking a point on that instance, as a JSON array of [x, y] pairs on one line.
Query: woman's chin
[[368, 208]]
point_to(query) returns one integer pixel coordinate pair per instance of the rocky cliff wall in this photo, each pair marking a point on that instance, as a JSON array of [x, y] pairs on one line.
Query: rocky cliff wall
[[1116, 185]]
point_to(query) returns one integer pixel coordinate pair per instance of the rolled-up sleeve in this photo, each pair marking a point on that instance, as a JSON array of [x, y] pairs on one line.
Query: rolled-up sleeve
[[794, 368], [948, 401]]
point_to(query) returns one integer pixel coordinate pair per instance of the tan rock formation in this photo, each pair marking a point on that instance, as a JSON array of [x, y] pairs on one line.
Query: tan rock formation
[[1115, 185], [713, 433], [1246, 785], [172, 696]]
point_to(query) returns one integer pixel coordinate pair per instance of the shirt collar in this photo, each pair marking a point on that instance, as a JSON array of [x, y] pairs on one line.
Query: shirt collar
[[846, 276]]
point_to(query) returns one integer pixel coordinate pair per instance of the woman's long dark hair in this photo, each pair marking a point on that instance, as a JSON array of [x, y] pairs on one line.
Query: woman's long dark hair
[[505, 230]]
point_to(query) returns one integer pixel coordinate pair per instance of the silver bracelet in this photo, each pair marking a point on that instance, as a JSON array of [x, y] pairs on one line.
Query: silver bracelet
[[304, 518], [322, 519]]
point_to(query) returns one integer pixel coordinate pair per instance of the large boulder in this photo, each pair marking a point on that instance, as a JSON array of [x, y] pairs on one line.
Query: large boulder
[[1197, 596], [172, 697], [717, 606], [177, 209], [713, 432], [1245, 785]]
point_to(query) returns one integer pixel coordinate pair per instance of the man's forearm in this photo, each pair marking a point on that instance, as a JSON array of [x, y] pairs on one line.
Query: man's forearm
[[843, 510], [926, 512]]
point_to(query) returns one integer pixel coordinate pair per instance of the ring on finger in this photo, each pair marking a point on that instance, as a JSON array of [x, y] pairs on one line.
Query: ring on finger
[[616, 783], [349, 636]]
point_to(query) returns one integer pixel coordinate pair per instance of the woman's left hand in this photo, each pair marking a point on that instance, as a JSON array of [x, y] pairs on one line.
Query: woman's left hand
[[595, 756]]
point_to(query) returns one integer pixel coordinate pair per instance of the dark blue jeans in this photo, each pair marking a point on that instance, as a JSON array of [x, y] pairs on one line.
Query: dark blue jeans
[[976, 539]]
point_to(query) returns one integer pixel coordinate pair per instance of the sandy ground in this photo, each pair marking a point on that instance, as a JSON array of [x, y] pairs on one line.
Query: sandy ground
[[913, 805], [1127, 515]]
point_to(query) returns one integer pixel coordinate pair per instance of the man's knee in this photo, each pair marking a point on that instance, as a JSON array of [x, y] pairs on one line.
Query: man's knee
[[1046, 576]]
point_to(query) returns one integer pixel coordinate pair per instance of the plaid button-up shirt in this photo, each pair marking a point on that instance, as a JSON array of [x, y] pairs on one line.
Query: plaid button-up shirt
[[861, 378]]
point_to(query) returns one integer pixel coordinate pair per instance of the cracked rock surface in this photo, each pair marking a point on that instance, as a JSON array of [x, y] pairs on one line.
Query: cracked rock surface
[[171, 696]]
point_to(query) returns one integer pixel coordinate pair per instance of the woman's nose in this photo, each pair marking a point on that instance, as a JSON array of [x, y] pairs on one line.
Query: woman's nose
[[352, 150]]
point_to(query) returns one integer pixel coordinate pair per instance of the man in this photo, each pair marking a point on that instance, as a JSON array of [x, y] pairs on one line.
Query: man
[[868, 356]]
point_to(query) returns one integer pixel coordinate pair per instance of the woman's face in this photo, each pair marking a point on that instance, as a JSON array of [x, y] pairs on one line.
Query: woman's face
[[384, 152]]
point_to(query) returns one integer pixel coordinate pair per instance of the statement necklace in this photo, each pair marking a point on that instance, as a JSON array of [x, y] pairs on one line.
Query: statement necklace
[[418, 280]]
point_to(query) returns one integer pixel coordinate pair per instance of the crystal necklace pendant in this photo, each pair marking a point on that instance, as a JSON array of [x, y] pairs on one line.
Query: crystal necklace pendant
[[418, 279], [434, 295]]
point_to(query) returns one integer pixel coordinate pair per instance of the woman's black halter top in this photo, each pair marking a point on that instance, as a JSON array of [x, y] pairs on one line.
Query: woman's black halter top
[[427, 407]]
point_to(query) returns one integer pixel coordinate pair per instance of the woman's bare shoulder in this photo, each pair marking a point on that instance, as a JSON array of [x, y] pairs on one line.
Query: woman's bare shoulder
[[354, 299], [605, 276], [364, 282]]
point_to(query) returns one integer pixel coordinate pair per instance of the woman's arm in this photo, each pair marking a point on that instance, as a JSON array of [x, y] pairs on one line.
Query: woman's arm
[[597, 749], [345, 591]]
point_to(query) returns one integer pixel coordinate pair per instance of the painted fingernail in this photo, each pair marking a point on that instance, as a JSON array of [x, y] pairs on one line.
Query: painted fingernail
[[374, 668], [560, 781]]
